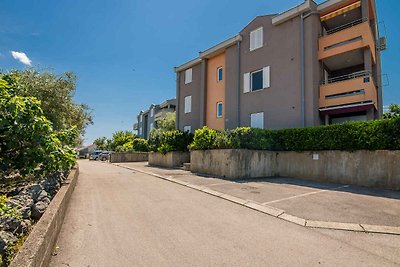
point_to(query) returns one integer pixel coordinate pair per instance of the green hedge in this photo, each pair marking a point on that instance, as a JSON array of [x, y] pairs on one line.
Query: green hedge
[[371, 135], [163, 142], [137, 144]]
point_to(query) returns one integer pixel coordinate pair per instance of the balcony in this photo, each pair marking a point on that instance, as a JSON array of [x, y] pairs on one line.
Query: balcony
[[354, 88], [345, 38]]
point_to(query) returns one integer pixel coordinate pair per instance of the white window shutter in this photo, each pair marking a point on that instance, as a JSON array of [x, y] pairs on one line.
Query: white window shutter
[[257, 120], [252, 40], [188, 104], [266, 77], [246, 82], [188, 76], [260, 37]]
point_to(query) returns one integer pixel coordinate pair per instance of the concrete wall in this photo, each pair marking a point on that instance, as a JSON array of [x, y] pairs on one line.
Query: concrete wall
[[128, 157], [170, 160], [39, 246], [363, 168]]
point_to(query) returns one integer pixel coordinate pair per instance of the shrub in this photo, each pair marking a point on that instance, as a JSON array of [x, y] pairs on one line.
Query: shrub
[[164, 142], [371, 135], [137, 144]]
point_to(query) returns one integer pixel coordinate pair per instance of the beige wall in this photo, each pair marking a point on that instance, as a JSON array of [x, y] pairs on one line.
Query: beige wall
[[215, 92]]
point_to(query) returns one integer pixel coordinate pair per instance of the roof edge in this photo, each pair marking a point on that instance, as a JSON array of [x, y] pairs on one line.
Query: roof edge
[[291, 13]]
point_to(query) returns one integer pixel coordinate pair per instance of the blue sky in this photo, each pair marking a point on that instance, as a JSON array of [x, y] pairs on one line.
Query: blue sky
[[123, 52]]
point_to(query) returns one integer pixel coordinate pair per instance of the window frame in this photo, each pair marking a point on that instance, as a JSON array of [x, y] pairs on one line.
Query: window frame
[[222, 109], [262, 80], [261, 29], [263, 118], [189, 109], [222, 74], [186, 75]]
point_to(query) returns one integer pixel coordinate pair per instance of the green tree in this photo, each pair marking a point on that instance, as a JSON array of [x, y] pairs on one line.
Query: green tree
[[120, 138], [29, 145], [56, 94], [394, 112], [168, 122], [101, 143]]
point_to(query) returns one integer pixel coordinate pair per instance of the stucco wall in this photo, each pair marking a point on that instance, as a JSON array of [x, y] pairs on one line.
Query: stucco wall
[[170, 160], [128, 157], [363, 168]]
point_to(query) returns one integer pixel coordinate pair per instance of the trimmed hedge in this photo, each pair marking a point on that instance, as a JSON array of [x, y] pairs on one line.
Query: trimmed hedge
[[163, 142], [371, 135]]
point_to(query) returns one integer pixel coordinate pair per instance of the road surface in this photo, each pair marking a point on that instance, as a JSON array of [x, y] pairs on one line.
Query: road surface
[[118, 217]]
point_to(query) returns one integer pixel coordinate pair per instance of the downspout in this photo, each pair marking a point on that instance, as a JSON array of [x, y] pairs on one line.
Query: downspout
[[239, 92], [302, 64], [177, 101]]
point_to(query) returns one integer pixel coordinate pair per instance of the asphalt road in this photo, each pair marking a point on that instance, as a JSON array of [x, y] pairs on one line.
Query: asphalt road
[[118, 217]]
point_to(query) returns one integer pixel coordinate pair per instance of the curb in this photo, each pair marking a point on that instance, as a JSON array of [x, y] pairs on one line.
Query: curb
[[278, 213], [38, 247]]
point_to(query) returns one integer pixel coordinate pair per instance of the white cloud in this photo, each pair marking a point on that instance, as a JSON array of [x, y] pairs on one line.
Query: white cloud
[[21, 57]]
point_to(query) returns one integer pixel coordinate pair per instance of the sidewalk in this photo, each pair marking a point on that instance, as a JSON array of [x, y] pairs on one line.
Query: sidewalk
[[306, 203]]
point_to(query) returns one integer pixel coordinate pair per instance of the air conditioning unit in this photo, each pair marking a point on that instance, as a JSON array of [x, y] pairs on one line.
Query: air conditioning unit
[[382, 44]]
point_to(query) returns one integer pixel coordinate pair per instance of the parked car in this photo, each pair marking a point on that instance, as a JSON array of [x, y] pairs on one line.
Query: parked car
[[105, 155], [95, 155]]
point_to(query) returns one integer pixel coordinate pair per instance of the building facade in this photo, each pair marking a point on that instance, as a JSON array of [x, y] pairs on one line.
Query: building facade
[[147, 120], [310, 65]]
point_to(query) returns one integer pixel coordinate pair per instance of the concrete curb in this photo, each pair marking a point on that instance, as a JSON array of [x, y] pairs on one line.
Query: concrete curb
[[278, 213], [39, 246]]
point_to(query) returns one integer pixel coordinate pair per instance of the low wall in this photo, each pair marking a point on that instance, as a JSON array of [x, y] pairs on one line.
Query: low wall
[[128, 157], [170, 160], [39, 246], [379, 168]]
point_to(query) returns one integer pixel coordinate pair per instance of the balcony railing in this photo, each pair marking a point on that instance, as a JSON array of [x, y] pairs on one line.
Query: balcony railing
[[346, 26], [350, 76]]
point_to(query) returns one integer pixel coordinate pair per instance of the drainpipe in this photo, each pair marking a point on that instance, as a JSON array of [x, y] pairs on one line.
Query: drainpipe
[[302, 67], [239, 61], [177, 100]]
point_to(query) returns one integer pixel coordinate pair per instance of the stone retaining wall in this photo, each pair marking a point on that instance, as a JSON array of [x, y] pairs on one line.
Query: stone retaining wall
[[128, 157], [379, 168], [39, 246], [170, 160]]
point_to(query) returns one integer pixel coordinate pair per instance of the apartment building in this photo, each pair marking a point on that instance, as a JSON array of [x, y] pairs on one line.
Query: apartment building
[[147, 120], [314, 64]]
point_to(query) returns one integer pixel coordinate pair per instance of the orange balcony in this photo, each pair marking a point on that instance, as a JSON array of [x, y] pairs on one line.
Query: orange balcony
[[359, 89], [350, 38]]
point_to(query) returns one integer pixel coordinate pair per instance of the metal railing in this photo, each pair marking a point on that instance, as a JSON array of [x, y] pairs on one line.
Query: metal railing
[[350, 76], [346, 26]]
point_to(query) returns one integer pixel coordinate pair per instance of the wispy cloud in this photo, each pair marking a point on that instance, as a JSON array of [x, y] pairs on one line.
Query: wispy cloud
[[21, 57]]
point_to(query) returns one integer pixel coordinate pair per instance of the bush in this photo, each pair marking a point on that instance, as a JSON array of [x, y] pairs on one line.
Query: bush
[[29, 145], [164, 142], [137, 144], [371, 135]]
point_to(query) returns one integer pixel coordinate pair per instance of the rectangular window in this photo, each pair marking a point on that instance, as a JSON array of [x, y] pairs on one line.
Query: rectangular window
[[140, 118], [188, 104], [187, 128], [256, 39], [151, 126], [256, 80], [188, 76], [219, 74], [219, 110], [140, 130], [257, 120], [152, 112]]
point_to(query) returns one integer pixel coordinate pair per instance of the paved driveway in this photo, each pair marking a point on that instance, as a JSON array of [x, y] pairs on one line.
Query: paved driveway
[[118, 217]]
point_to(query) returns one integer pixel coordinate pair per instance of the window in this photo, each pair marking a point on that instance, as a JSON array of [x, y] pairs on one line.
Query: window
[[187, 128], [151, 126], [188, 104], [152, 112], [140, 130], [256, 80], [256, 39], [219, 110], [257, 120], [188, 76], [219, 74], [140, 118]]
